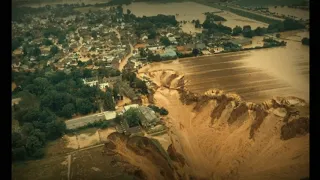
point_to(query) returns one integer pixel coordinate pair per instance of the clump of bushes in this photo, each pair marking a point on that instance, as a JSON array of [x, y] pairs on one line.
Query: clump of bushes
[[270, 42], [161, 111], [97, 124], [305, 41]]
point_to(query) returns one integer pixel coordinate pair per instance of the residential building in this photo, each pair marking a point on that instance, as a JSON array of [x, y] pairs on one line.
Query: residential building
[[168, 53], [90, 81]]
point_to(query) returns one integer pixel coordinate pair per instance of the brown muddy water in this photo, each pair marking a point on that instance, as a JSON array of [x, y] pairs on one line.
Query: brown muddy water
[[287, 11], [53, 3], [255, 75], [188, 11]]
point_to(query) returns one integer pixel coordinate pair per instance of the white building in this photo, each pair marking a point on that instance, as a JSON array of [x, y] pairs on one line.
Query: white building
[[126, 108], [90, 81]]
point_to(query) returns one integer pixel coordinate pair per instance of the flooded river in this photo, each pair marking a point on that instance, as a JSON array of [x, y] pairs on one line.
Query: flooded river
[[188, 11], [255, 75]]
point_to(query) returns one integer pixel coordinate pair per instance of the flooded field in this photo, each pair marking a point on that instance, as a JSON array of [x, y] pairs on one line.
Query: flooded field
[[52, 3], [255, 75], [188, 11], [287, 11]]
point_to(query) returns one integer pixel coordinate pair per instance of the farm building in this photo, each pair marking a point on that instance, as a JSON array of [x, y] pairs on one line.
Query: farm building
[[148, 117]]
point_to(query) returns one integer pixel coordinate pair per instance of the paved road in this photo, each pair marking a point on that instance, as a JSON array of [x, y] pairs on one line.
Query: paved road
[[82, 121]]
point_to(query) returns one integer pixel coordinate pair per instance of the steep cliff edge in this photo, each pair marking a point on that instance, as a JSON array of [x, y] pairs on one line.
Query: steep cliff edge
[[217, 135]]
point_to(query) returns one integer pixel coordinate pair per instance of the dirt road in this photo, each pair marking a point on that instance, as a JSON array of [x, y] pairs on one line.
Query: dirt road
[[125, 60]]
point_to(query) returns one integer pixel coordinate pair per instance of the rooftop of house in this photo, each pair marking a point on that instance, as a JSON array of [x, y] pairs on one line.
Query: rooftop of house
[[110, 79], [110, 115], [200, 45], [91, 79], [168, 52], [126, 108], [149, 114]]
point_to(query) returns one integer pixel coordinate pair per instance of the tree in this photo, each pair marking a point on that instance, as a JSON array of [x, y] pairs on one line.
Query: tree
[[163, 111], [305, 41], [61, 39], [119, 11], [195, 52], [152, 34], [165, 41], [104, 125], [118, 119], [141, 85], [35, 51], [47, 42], [247, 32], [132, 117], [68, 110], [15, 43], [260, 31], [84, 106], [94, 34], [108, 101], [27, 129], [142, 52], [33, 144], [32, 114], [55, 129], [40, 135], [17, 140], [236, 31], [42, 85], [197, 24], [54, 49], [19, 153]]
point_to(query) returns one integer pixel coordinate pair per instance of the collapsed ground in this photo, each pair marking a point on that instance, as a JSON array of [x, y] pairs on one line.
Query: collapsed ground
[[218, 135]]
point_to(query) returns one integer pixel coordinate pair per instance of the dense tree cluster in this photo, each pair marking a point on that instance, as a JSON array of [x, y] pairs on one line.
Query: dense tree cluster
[[161, 111], [135, 82], [213, 27], [165, 41], [132, 117], [236, 31], [230, 47], [286, 25], [214, 17], [196, 23], [119, 2], [270, 42], [47, 98], [150, 23]]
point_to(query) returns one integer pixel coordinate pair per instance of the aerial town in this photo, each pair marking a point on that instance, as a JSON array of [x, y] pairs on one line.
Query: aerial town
[[95, 77]]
